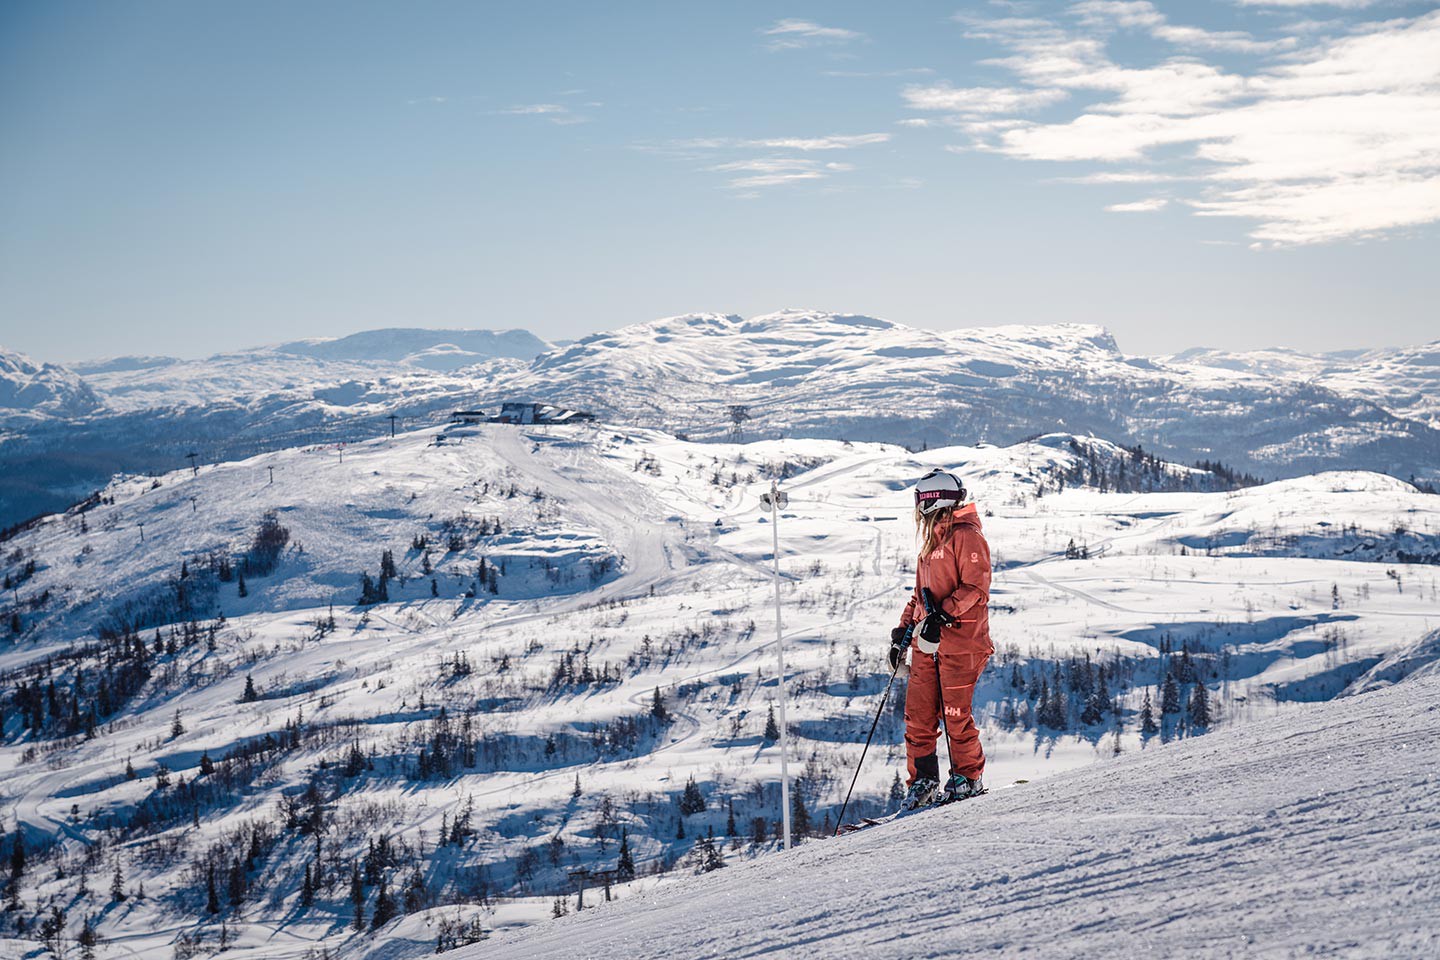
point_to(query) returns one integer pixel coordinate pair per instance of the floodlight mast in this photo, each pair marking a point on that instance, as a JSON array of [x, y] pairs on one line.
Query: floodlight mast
[[776, 500]]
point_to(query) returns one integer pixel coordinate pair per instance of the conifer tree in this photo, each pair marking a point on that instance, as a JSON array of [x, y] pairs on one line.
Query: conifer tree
[[1147, 717], [799, 815], [772, 729], [897, 791], [212, 896], [1052, 712], [177, 729], [117, 885], [88, 939], [657, 707], [357, 896], [1170, 695], [384, 906], [235, 888], [416, 894], [691, 800], [625, 866], [1200, 707], [712, 856], [307, 888], [17, 855], [251, 694], [240, 585]]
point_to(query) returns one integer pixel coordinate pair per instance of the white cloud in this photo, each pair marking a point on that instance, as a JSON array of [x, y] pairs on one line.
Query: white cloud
[[779, 169], [1143, 15], [796, 34], [1339, 138], [554, 112], [771, 171], [1343, 4], [1139, 206], [536, 109], [819, 143], [980, 100], [1127, 176]]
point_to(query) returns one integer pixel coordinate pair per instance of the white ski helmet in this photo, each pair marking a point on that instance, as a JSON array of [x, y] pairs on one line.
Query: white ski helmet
[[937, 490]]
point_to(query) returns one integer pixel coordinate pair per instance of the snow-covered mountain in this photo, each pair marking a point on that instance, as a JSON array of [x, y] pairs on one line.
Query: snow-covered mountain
[[392, 364], [1403, 380], [794, 373], [28, 390], [158, 409], [803, 373], [577, 627]]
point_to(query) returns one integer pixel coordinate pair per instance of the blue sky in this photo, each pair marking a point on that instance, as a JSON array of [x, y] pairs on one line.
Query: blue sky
[[189, 177]]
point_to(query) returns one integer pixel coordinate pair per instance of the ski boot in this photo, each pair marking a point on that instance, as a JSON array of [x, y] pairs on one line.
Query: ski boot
[[921, 792], [961, 788]]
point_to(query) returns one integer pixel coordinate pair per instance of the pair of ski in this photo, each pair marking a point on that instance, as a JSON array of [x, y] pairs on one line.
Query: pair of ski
[[867, 822]]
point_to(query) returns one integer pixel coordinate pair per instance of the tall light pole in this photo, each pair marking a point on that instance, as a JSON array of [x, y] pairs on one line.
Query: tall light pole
[[775, 500]]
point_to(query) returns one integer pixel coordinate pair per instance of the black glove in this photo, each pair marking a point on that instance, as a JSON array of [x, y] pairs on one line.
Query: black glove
[[898, 636], [932, 624]]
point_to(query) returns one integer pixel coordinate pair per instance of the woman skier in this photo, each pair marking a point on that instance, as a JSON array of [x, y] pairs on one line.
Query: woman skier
[[951, 639]]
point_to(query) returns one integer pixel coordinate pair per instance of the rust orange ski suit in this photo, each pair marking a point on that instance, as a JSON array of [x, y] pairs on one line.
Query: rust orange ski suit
[[942, 685]]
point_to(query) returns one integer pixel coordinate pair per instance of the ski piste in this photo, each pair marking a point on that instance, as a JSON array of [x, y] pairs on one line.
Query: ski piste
[[866, 822]]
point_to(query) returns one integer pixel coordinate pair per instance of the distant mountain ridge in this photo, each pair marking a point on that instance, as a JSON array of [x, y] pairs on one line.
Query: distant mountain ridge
[[804, 373], [1273, 413], [28, 388]]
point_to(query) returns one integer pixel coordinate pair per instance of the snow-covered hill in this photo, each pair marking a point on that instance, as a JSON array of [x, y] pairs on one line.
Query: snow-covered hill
[[592, 636], [229, 406], [1403, 380], [1312, 835], [389, 365], [29, 389]]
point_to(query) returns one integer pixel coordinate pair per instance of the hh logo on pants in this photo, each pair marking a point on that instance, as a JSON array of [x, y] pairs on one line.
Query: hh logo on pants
[[955, 711]]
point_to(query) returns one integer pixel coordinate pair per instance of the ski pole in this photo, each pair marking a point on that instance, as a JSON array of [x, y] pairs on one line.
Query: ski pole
[[883, 700]]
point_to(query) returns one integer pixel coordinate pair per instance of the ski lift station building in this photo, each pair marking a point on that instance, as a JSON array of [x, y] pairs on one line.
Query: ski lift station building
[[527, 412]]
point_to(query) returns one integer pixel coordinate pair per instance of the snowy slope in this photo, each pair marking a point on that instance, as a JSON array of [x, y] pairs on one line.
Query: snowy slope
[[555, 675], [1312, 834], [31, 389]]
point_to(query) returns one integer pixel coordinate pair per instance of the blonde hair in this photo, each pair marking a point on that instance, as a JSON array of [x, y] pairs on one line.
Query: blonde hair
[[927, 528]]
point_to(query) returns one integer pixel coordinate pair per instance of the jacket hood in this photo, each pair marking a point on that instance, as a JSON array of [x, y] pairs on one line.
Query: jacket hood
[[966, 516]]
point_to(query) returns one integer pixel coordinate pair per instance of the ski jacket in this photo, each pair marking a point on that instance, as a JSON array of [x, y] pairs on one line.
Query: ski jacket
[[957, 573]]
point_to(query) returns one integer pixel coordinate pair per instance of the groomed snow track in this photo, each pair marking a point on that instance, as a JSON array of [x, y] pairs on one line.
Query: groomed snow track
[[1314, 834]]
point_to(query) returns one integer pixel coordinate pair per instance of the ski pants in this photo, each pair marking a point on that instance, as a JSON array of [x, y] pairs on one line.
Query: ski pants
[[941, 689]]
